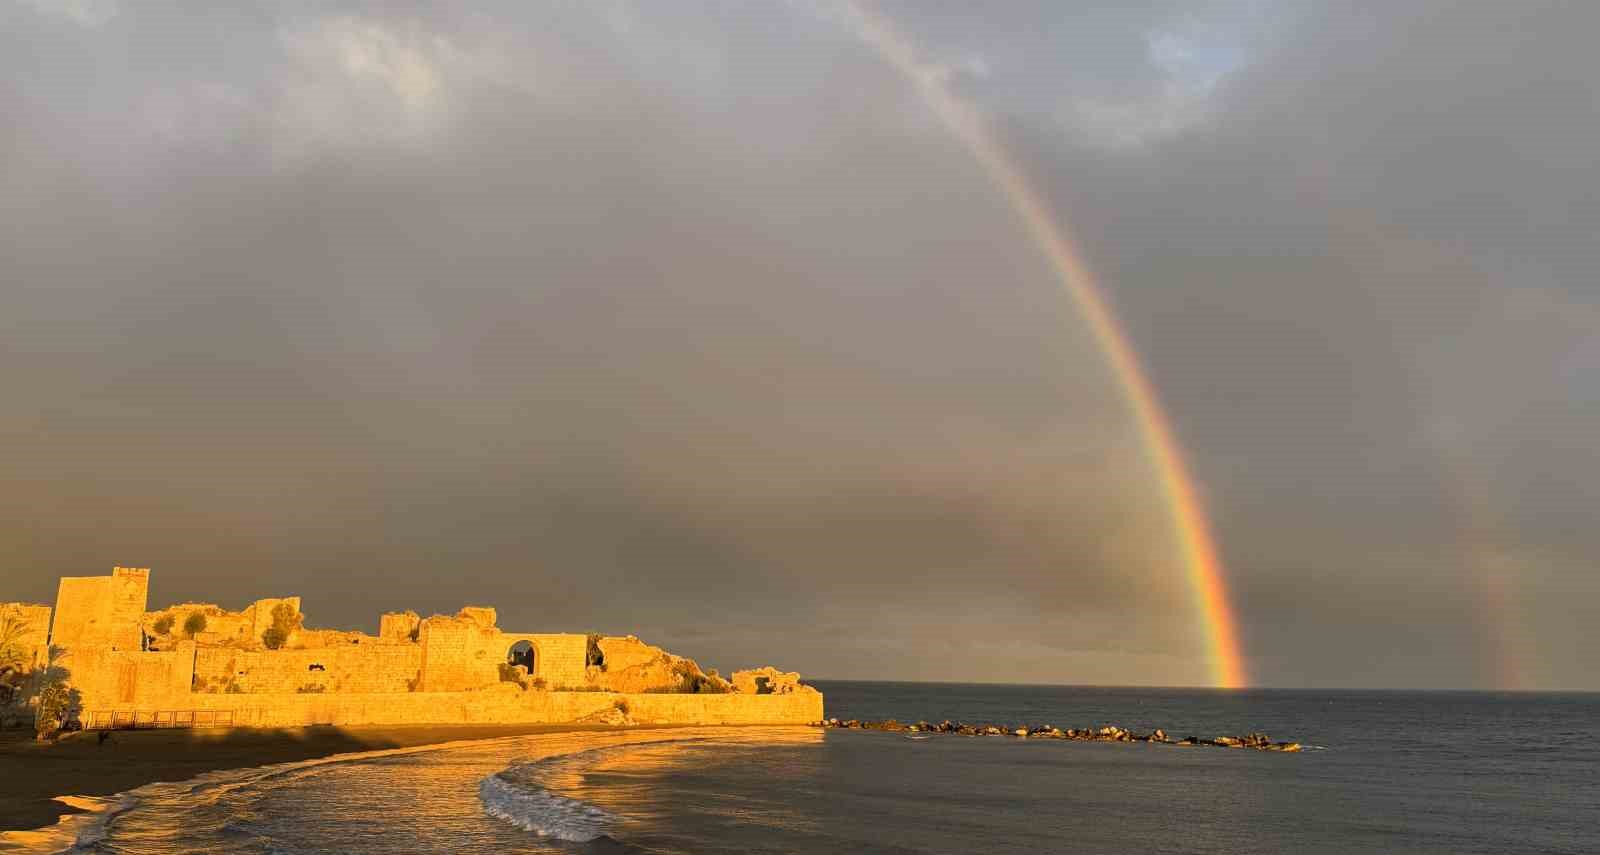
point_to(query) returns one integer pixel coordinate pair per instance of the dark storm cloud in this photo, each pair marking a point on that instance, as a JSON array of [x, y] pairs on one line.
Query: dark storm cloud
[[694, 322]]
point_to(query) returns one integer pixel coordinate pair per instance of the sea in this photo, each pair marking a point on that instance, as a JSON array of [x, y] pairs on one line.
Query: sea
[[1392, 772]]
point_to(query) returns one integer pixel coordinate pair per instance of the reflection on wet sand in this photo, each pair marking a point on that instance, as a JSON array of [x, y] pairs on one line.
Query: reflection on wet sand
[[418, 799]]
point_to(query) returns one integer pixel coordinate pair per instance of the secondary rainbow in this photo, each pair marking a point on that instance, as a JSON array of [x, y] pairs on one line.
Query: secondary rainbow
[[1204, 569]]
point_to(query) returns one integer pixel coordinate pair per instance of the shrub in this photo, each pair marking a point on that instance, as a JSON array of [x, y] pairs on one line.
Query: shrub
[[194, 624], [311, 689], [691, 682], [54, 700], [712, 687], [163, 625], [285, 620]]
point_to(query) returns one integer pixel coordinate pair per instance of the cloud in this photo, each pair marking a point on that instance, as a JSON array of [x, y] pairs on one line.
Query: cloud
[[87, 13], [352, 79], [695, 322]]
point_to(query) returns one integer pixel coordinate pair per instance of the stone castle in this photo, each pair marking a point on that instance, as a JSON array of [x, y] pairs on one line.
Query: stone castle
[[198, 664]]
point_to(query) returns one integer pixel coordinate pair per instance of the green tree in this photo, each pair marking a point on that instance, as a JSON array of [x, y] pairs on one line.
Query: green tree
[[14, 655], [194, 624], [285, 620], [54, 702]]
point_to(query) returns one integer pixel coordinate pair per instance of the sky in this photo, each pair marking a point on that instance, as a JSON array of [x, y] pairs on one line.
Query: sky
[[695, 321]]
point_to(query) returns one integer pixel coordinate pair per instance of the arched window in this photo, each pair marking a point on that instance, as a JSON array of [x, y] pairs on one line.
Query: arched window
[[522, 654]]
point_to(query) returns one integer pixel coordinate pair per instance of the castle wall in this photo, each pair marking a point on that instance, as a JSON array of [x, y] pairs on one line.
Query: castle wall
[[459, 654], [105, 677], [559, 658], [451, 675], [101, 611], [322, 639], [222, 626], [462, 653], [507, 706], [398, 626], [260, 613], [357, 668]]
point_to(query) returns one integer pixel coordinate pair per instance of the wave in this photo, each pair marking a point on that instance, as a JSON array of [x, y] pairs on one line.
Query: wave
[[535, 809], [72, 832], [80, 832], [516, 798], [517, 795]]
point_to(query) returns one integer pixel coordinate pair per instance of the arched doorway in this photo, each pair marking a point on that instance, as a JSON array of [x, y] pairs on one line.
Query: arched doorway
[[522, 653]]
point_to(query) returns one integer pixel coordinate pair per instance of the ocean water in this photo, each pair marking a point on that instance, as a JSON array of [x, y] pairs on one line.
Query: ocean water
[[1387, 772]]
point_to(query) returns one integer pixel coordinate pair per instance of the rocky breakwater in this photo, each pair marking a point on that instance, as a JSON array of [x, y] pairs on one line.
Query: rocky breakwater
[[1109, 733]]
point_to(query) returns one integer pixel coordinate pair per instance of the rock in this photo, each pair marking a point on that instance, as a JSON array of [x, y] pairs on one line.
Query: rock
[[1106, 733], [769, 681], [483, 616]]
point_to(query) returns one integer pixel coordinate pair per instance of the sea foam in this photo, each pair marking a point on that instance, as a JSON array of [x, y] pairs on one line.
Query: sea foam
[[72, 832], [533, 808]]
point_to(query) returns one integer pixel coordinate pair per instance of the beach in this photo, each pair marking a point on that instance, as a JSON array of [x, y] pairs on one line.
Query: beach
[[1413, 772], [33, 773]]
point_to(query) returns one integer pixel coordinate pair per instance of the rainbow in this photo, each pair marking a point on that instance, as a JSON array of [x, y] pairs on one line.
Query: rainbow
[[1204, 568]]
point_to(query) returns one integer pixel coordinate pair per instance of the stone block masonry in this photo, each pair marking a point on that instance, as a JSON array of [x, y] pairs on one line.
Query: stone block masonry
[[130, 665], [373, 668], [509, 706], [101, 610], [399, 626]]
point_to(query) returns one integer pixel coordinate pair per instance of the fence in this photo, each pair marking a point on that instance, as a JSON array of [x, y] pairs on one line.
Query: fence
[[152, 719]]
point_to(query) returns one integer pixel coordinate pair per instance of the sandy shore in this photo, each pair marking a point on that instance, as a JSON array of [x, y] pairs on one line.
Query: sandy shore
[[32, 774]]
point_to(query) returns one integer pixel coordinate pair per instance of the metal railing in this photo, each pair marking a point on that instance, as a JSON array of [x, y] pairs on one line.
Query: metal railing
[[153, 719]]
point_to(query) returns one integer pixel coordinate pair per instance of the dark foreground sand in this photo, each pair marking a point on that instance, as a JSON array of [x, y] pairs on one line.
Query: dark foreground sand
[[33, 773]]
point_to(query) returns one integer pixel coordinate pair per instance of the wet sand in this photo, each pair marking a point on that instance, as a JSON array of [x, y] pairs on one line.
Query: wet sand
[[32, 773]]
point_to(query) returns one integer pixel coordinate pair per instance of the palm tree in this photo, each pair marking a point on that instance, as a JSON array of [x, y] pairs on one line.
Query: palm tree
[[14, 654]]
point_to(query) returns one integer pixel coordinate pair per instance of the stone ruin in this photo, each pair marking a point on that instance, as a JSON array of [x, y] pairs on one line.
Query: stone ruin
[[202, 663]]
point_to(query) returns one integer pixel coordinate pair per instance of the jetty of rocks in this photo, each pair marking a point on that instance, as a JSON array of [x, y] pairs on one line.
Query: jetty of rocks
[[1109, 733]]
